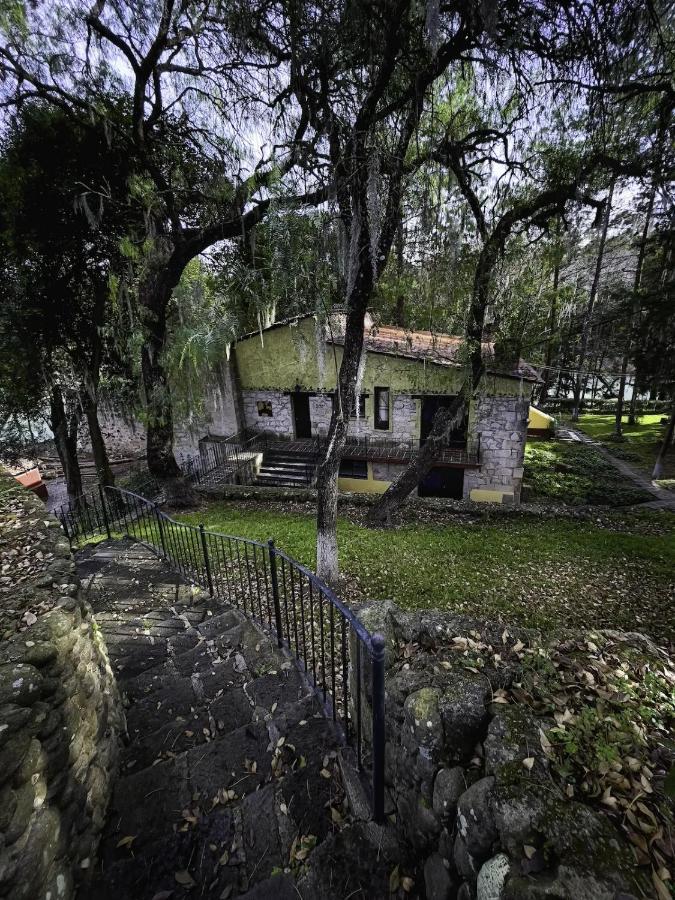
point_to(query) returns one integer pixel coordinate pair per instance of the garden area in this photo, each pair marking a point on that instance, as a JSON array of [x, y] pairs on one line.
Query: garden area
[[640, 443], [546, 573], [575, 474]]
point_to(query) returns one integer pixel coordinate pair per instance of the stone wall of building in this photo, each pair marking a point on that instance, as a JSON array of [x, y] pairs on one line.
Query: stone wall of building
[[281, 419], [501, 423], [126, 436], [60, 712], [482, 824]]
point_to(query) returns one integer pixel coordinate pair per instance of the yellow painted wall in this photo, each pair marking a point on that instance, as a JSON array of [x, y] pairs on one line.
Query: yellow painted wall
[[286, 357], [367, 485], [486, 495], [538, 419]]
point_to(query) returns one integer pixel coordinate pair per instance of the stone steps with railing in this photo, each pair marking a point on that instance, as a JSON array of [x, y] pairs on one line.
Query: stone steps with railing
[[281, 467], [230, 762]]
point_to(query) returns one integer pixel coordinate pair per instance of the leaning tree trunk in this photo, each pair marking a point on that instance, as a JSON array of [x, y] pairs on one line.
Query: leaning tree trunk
[[98, 447], [635, 312], [665, 446], [64, 428], [580, 380], [445, 419]]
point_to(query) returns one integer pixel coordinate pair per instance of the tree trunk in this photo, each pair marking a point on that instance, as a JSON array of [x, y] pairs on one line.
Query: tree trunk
[[552, 317], [665, 446], [64, 428], [154, 296], [103, 469], [400, 297], [580, 380], [634, 316], [327, 473], [446, 419]]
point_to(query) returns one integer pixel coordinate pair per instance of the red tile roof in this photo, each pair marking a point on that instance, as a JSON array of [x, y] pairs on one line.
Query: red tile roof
[[441, 349]]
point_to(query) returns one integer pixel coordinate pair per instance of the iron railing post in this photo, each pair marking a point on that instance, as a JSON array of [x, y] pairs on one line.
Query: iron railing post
[[377, 644], [105, 512], [206, 560], [275, 593], [160, 528]]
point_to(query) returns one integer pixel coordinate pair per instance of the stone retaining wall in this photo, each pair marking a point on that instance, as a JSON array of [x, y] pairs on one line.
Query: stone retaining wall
[[483, 825], [60, 712]]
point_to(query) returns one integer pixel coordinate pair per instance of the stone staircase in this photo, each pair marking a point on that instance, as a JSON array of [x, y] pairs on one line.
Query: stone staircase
[[287, 468], [231, 781]]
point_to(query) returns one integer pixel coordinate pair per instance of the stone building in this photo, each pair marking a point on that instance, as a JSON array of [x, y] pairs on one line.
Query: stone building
[[284, 384]]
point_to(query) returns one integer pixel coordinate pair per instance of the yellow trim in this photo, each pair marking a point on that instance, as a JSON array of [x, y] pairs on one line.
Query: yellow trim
[[484, 495], [539, 419], [367, 485]]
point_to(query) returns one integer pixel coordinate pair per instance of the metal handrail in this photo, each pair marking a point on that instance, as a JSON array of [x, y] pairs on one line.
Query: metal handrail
[[309, 622]]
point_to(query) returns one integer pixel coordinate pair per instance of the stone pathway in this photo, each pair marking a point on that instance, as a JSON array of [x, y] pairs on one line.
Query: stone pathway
[[663, 498], [231, 773]]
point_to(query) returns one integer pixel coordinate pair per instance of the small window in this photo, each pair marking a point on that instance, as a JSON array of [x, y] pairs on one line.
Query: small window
[[264, 408], [353, 468], [362, 408], [382, 408]]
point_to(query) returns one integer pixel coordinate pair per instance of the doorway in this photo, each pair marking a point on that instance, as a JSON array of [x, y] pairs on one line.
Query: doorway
[[301, 417], [441, 481]]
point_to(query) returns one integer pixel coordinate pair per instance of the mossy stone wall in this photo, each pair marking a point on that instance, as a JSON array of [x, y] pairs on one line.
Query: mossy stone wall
[[60, 711]]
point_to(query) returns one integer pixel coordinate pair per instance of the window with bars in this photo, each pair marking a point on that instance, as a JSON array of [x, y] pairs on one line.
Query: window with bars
[[382, 408]]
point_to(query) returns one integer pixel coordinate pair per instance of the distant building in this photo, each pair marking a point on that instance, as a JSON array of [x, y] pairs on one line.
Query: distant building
[[284, 384]]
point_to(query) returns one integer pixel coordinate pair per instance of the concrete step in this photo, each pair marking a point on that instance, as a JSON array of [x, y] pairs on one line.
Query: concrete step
[[229, 756]]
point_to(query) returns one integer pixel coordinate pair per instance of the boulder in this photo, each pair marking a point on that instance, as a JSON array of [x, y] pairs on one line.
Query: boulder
[[465, 864], [475, 822], [438, 883], [423, 720], [464, 714], [492, 878], [449, 785]]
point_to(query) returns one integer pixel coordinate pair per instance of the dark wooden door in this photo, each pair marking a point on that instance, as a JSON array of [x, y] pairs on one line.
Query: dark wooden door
[[301, 417], [441, 481]]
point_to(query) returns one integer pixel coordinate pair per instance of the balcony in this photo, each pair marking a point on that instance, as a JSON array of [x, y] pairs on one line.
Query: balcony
[[461, 454]]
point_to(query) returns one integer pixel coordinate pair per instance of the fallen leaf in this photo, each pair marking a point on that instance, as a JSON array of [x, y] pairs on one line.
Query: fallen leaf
[[126, 841]]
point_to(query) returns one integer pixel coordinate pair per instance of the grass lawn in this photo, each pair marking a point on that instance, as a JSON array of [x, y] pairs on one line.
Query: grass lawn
[[576, 475], [641, 441], [543, 573]]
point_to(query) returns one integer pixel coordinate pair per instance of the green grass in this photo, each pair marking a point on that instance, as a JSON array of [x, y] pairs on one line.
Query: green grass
[[576, 475], [641, 441], [548, 574]]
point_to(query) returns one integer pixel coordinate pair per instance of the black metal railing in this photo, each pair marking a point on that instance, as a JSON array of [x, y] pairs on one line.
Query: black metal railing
[[342, 662], [464, 451], [231, 460]]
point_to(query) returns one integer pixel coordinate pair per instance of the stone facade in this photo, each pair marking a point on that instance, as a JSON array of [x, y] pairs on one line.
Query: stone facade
[[404, 413], [501, 423], [126, 436], [60, 712], [281, 420], [480, 823]]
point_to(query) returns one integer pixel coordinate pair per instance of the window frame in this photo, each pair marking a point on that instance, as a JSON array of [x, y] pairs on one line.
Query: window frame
[[352, 462], [378, 425], [360, 406]]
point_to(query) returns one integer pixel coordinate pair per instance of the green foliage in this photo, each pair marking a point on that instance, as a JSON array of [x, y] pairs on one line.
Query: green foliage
[[576, 475], [524, 571]]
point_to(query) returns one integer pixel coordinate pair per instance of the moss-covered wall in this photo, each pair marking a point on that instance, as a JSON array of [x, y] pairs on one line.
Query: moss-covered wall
[[60, 712], [294, 355]]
